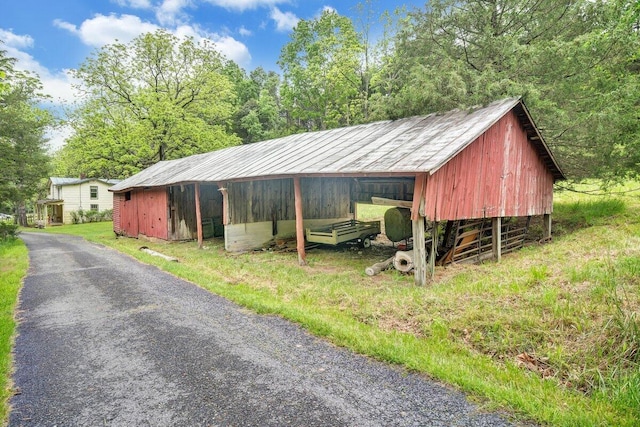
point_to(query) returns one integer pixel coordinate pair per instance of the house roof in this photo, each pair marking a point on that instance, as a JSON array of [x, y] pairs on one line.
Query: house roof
[[75, 181], [392, 147]]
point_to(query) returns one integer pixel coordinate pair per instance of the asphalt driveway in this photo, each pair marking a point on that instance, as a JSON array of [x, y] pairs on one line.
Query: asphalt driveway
[[106, 340]]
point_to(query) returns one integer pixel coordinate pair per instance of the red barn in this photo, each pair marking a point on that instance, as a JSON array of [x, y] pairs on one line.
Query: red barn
[[486, 165]]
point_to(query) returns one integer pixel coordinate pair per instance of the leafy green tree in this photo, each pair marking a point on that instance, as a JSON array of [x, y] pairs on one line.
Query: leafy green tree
[[24, 162], [258, 116], [571, 60], [320, 73], [156, 98]]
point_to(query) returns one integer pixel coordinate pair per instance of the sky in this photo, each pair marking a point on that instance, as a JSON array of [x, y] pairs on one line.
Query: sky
[[50, 37]]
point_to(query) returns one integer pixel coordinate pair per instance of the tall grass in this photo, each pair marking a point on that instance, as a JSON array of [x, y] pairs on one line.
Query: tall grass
[[13, 267]]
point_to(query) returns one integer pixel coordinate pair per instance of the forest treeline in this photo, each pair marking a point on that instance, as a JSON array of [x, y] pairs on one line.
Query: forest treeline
[[576, 64]]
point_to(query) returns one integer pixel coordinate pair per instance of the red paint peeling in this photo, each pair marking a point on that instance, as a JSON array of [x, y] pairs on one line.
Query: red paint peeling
[[498, 175]]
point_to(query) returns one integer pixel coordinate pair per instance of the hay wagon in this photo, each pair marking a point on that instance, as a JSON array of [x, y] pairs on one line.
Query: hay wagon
[[345, 232]]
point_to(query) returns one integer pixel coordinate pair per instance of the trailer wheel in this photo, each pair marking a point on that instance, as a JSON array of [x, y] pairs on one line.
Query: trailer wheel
[[366, 242]]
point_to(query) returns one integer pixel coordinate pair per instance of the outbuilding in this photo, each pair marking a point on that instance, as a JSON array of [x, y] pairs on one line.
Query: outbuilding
[[486, 164]]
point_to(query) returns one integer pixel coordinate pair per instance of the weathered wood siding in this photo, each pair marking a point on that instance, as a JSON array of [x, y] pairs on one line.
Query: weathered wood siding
[[498, 175], [182, 209], [145, 213], [262, 210], [273, 200], [389, 188]]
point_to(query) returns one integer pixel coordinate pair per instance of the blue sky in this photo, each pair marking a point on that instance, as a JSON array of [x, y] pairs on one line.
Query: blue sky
[[49, 37]]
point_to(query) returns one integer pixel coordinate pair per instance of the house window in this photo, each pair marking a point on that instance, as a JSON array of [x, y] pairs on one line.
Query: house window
[[127, 196], [94, 208], [94, 191]]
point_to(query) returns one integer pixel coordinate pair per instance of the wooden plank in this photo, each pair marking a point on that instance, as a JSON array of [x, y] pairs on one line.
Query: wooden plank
[[302, 255], [546, 223], [417, 225], [225, 203], [198, 215], [390, 202], [496, 228], [433, 253]]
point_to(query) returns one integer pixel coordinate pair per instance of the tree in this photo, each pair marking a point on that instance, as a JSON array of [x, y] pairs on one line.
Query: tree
[[258, 116], [156, 98], [320, 73], [571, 60], [24, 162]]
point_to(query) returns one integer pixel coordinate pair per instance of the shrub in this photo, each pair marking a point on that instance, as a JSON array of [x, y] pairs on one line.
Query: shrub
[[8, 231], [81, 216]]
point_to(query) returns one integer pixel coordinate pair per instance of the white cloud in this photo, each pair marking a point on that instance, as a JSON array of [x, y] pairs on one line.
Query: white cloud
[[170, 11], [101, 29], [234, 50], [242, 5], [57, 84], [244, 31], [134, 4], [14, 40], [285, 21], [226, 45], [57, 136]]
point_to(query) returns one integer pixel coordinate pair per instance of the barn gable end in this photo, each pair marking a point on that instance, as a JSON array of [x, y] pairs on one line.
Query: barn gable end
[[500, 174]]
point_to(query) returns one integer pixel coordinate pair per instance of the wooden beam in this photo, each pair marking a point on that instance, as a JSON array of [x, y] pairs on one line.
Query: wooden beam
[[198, 215], [417, 206], [297, 192], [417, 226], [496, 238], [433, 253], [546, 224], [225, 203], [419, 252], [391, 202]]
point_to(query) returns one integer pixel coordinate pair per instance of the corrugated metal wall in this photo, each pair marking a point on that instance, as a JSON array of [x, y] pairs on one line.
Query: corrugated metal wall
[[498, 175]]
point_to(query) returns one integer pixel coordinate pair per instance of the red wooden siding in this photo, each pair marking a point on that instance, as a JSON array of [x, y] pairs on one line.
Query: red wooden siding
[[118, 198], [498, 175], [144, 213]]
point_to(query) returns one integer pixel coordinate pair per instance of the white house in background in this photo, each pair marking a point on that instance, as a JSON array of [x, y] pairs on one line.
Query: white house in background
[[68, 195]]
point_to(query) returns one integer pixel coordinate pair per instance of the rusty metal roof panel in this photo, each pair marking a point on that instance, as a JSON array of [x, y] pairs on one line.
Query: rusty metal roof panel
[[404, 146]]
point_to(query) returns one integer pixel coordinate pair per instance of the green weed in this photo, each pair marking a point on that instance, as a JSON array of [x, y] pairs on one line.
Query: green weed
[[13, 267]]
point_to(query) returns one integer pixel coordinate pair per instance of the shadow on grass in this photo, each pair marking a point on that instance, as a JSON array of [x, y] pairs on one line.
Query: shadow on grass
[[576, 215]]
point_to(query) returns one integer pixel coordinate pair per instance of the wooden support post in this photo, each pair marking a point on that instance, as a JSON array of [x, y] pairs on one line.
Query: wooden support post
[[302, 256], [198, 215], [420, 252], [434, 249], [496, 238], [225, 203], [546, 221], [417, 226]]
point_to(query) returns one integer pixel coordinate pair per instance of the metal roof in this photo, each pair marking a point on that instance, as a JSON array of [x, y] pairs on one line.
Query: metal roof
[[392, 147], [74, 181]]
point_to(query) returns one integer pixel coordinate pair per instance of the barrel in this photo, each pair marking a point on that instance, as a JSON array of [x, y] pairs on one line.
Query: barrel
[[397, 224]]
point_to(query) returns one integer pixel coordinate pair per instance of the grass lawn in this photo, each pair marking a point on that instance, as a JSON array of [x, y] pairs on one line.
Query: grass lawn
[[13, 267], [550, 334]]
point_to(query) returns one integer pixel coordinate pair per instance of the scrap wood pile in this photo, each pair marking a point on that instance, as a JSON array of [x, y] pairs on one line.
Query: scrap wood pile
[[463, 241]]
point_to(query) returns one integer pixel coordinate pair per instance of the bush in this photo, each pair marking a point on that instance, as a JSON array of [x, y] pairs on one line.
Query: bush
[[8, 231], [81, 216]]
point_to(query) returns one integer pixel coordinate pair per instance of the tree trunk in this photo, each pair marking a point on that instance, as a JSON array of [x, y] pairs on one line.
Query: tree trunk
[[378, 267]]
